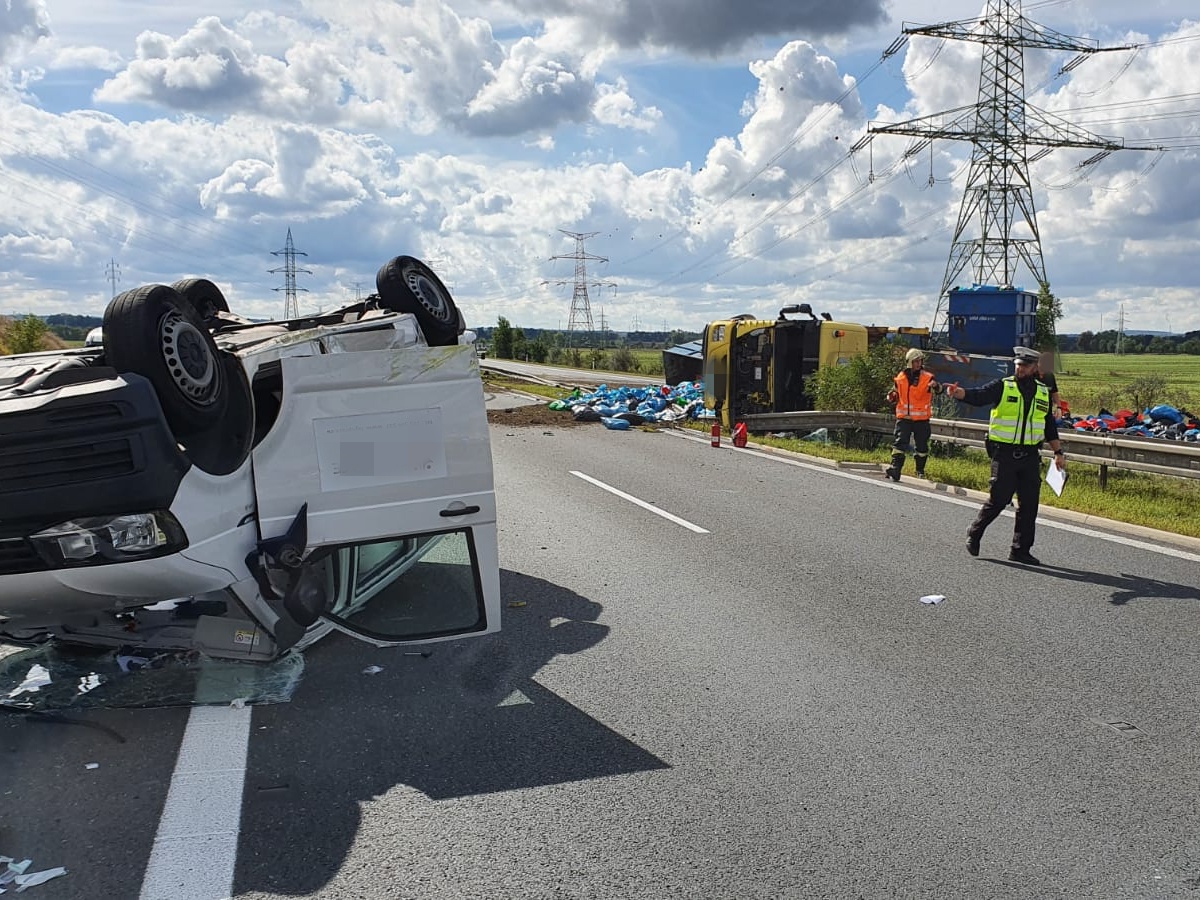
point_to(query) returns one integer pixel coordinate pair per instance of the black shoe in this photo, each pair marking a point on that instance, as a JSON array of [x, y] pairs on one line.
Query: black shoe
[[1023, 556], [973, 546], [892, 473]]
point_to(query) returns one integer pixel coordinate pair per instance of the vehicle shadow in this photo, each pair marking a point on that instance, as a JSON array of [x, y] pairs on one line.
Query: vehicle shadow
[[467, 720], [1125, 587]]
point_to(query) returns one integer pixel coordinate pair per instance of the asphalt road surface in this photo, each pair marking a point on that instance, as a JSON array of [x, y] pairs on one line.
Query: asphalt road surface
[[719, 682]]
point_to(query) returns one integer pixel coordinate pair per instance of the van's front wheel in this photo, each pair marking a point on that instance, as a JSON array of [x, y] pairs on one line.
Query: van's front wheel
[[154, 332], [407, 285]]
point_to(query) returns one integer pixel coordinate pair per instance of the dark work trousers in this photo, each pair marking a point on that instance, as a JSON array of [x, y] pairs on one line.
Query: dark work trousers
[[1015, 470], [917, 431]]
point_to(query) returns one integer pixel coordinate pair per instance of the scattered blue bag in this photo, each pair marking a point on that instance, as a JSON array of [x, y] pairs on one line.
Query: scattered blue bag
[[1165, 413]]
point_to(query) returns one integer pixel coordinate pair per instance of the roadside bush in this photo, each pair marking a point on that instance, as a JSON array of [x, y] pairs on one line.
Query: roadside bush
[[622, 360], [1146, 391], [27, 334], [861, 385]]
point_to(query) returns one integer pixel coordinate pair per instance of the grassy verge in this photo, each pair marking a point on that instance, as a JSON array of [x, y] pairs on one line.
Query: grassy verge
[[499, 382]]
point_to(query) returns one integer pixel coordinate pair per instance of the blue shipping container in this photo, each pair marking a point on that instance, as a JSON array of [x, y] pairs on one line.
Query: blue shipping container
[[989, 320], [985, 300], [991, 335]]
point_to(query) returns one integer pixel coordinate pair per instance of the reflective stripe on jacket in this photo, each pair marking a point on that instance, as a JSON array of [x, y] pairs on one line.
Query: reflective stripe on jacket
[[1016, 422], [916, 400]]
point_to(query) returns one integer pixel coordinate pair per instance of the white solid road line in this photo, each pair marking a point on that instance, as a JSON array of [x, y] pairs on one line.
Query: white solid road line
[[1172, 551], [195, 849], [642, 503]]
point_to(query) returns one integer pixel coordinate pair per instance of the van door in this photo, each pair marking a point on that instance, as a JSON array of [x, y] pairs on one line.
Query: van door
[[385, 456]]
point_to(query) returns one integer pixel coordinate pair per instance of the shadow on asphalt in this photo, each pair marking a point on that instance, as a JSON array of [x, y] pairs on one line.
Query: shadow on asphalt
[[1124, 587], [468, 720]]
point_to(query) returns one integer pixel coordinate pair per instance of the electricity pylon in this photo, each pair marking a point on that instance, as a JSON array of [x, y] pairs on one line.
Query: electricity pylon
[[1002, 126], [581, 306], [291, 309], [112, 274]]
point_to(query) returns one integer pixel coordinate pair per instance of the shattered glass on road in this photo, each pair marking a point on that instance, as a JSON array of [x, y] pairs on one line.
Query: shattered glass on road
[[50, 678]]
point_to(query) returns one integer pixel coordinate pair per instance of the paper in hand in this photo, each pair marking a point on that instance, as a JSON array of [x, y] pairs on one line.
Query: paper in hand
[[1056, 478]]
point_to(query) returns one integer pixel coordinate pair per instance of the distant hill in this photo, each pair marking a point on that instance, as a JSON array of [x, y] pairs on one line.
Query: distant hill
[[88, 322], [71, 327]]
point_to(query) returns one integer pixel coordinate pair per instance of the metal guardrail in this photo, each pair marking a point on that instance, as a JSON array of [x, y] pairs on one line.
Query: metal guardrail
[[1159, 457]]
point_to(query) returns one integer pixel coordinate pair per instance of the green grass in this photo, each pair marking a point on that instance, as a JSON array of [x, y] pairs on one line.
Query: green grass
[[501, 382]]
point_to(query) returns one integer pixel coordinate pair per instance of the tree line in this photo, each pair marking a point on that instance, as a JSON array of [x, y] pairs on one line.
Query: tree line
[[1108, 342], [543, 346]]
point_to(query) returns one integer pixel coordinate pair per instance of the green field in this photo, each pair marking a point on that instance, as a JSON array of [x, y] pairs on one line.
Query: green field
[[1091, 381]]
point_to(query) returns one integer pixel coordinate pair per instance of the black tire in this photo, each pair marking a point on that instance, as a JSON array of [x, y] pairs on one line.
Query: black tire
[[407, 285], [154, 332], [206, 298]]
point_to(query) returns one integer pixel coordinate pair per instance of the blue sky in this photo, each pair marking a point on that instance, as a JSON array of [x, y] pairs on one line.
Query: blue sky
[[705, 142]]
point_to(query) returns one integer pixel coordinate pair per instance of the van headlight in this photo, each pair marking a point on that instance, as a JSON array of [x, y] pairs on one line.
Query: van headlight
[[108, 539]]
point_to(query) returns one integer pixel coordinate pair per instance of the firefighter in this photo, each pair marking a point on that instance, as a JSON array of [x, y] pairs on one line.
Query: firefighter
[[913, 396], [1021, 420]]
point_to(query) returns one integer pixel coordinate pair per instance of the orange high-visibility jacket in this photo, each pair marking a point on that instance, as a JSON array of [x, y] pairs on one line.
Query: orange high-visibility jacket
[[916, 400]]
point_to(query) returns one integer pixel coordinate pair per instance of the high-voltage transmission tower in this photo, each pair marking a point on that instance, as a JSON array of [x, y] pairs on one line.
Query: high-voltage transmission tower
[[112, 274], [581, 306], [291, 310], [998, 200]]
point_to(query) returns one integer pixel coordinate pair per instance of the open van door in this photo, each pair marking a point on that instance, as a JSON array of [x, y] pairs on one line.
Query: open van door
[[376, 480]]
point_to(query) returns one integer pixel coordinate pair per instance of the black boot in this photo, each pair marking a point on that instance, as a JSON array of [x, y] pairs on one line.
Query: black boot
[[920, 461], [893, 471]]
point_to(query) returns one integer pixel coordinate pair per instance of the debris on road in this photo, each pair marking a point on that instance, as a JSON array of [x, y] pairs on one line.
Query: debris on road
[[17, 873], [48, 678], [636, 405], [1162, 421]]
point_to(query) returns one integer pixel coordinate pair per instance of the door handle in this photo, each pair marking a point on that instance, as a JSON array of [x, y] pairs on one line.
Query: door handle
[[460, 511]]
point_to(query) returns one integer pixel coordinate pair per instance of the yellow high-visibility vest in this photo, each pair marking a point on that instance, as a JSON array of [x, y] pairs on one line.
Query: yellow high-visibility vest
[[1014, 421]]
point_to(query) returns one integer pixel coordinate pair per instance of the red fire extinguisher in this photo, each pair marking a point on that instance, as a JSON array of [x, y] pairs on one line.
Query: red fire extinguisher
[[740, 434], [716, 434]]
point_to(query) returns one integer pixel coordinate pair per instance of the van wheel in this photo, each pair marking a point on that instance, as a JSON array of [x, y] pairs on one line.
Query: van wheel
[[407, 285], [206, 298], [154, 332]]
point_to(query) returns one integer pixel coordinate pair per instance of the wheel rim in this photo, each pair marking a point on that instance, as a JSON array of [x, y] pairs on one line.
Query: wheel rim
[[428, 295], [191, 366]]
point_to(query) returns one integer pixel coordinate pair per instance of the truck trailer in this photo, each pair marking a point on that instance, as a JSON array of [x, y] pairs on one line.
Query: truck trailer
[[753, 366]]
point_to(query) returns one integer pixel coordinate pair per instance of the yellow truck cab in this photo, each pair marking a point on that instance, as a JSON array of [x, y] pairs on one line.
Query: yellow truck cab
[[761, 366]]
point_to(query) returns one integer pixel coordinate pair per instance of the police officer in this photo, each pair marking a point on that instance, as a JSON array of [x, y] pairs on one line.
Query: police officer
[[1021, 420], [913, 396]]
